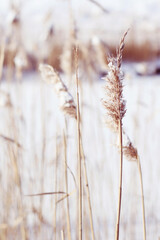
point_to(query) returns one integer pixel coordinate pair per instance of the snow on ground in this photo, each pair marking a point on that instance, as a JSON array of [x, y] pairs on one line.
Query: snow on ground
[[38, 117]]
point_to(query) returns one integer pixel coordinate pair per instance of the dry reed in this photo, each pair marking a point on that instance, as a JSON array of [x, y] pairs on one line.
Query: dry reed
[[55, 187], [2, 51], [62, 235], [67, 57], [132, 154], [50, 76], [103, 9], [79, 150], [13, 156], [116, 108], [66, 186], [67, 104]]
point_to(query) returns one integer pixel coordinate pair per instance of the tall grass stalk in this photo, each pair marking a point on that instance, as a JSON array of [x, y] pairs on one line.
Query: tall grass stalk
[[2, 52], [14, 156], [43, 153], [142, 197], [132, 154], [83, 160], [68, 106], [88, 192], [66, 184], [55, 187], [120, 180], [116, 108], [79, 149], [62, 235]]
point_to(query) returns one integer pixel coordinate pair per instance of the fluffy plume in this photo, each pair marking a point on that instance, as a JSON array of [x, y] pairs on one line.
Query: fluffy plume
[[129, 150], [67, 103], [114, 103]]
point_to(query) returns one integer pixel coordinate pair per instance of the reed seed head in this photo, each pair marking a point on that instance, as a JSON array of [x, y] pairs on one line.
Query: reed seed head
[[67, 103], [130, 152], [114, 103]]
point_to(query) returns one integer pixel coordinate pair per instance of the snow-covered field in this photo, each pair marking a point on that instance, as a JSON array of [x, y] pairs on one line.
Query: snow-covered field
[[39, 122]]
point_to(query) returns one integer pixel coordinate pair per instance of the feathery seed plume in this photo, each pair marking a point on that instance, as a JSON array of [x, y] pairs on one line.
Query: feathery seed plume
[[50, 76], [115, 107], [128, 149], [114, 103]]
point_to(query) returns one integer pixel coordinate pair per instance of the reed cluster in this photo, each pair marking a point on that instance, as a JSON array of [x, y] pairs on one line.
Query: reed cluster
[[48, 185]]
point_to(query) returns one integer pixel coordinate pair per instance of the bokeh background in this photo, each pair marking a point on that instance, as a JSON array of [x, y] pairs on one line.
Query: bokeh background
[[32, 127]]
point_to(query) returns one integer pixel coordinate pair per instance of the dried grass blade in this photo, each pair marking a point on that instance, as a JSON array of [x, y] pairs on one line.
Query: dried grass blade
[[67, 195], [42, 194], [8, 139]]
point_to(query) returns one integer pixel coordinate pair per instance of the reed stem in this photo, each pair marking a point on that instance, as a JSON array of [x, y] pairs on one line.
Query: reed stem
[[62, 234], [66, 185], [2, 52], [142, 192], [88, 192], [79, 151], [55, 187], [120, 180]]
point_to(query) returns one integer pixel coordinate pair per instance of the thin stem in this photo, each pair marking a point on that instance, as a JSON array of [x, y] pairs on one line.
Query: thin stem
[[142, 192], [2, 52], [55, 187], [100, 6], [62, 234], [66, 185], [79, 151], [88, 192], [120, 180], [14, 156], [42, 153]]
